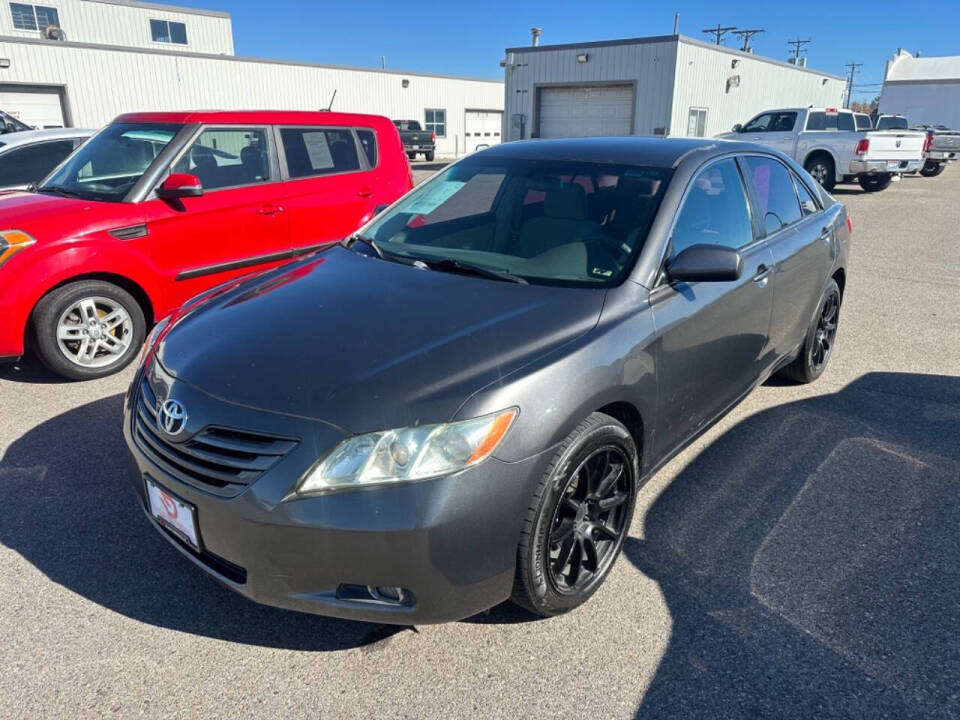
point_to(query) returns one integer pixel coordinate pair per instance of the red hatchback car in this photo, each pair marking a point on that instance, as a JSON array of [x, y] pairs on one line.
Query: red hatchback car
[[158, 207]]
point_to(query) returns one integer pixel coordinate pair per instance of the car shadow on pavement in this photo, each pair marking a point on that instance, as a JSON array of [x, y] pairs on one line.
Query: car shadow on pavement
[[810, 560], [67, 507], [29, 369]]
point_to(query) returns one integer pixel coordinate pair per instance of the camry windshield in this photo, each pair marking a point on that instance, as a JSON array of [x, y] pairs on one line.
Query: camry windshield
[[109, 163], [543, 221]]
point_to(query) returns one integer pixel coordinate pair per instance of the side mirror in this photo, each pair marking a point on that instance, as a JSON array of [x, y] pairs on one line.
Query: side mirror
[[180, 185], [706, 263], [737, 128]]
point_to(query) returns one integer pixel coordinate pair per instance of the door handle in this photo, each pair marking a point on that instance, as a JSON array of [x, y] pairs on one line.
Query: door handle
[[825, 234], [269, 210], [762, 275], [365, 192]]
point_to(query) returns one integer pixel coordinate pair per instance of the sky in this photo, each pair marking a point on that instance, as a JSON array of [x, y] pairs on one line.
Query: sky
[[468, 38]]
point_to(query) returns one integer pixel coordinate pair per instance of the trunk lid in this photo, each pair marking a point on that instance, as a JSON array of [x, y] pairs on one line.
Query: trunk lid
[[895, 145]]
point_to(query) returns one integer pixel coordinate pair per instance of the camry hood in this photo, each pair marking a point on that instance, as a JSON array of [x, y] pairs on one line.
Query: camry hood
[[366, 343]]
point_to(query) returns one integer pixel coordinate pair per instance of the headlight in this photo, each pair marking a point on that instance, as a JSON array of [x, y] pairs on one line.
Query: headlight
[[413, 453], [12, 242]]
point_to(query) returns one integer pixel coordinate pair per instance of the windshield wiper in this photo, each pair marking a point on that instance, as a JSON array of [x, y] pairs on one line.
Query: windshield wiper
[[451, 265], [60, 191], [368, 241]]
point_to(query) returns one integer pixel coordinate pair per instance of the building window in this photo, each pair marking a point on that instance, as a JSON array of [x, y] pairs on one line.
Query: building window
[[163, 31], [697, 122], [436, 122], [33, 17]]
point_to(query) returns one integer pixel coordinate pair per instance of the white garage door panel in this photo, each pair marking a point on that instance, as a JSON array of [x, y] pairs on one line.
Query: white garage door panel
[[586, 111], [482, 128], [40, 107]]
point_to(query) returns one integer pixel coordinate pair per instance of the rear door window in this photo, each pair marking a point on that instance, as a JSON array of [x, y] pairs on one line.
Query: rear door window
[[778, 206], [32, 163], [845, 121], [319, 151], [715, 210]]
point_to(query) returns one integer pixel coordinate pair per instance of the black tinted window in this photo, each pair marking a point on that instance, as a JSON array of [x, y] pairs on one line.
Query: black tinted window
[[828, 121], [863, 122], [368, 142], [892, 123], [317, 151], [808, 205], [22, 166], [772, 122], [776, 196], [714, 211], [845, 121]]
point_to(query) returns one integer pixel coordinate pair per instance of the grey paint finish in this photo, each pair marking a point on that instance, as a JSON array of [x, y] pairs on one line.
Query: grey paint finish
[[406, 346]]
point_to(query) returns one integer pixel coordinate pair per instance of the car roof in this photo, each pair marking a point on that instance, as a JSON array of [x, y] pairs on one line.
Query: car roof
[[25, 137], [642, 151], [253, 117]]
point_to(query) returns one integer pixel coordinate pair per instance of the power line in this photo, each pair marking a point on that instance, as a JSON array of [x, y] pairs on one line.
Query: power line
[[798, 47], [719, 31], [746, 35], [854, 67]]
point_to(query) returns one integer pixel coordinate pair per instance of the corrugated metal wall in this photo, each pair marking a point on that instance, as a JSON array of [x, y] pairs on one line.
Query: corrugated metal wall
[[703, 74], [923, 103], [650, 65], [101, 83], [107, 23]]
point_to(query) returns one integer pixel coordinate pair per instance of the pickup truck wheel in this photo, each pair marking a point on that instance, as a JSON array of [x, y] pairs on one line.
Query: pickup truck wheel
[[578, 518], [821, 338], [875, 183], [88, 329], [821, 169], [429, 157], [931, 169], [412, 156]]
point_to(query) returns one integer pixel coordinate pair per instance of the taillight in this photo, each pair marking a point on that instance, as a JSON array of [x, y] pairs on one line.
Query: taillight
[[862, 147], [849, 224], [433, 137], [928, 143]]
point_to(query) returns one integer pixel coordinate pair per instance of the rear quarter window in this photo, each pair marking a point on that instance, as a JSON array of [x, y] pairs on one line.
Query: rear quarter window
[[368, 143], [319, 151]]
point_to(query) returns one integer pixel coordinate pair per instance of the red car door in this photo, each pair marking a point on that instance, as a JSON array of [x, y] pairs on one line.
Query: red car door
[[330, 188], [238, 224]]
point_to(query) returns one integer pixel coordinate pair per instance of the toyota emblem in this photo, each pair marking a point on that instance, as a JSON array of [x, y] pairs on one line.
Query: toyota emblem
[[172, 417]]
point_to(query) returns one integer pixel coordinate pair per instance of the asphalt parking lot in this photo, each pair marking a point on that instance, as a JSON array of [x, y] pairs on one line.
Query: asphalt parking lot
[[799, 561]]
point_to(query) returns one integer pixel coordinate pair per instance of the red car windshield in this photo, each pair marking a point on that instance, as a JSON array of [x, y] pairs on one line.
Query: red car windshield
[[110, 163]]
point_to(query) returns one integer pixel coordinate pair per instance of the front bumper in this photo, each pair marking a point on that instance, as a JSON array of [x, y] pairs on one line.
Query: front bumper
[[942, 155], [873, 167], [450, 543]]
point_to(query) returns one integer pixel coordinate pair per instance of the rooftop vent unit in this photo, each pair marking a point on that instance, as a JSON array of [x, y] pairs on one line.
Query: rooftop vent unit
[[798, 61]]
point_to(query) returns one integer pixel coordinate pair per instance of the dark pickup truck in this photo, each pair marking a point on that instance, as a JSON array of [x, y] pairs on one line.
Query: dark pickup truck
[[416, 140]]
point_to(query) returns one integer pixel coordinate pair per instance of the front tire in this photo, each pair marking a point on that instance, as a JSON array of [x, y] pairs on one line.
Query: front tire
[[578, 519], [88, 329], [931, 169], [820, 340], [875, 183]]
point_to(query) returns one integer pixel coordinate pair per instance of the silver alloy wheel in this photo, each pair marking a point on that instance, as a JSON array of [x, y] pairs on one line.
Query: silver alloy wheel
[[819, 172], [94, 332]]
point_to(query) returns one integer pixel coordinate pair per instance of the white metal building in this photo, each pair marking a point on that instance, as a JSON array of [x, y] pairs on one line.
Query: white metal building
[[667, 85], [926, 90], [124, 56]]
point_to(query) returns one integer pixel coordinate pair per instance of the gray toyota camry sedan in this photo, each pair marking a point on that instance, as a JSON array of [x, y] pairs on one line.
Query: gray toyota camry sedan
[[458, 404]]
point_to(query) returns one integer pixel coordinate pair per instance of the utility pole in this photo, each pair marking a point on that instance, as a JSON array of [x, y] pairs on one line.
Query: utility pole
[[746, 35], [719, 31], [854, 67], [797, 48]]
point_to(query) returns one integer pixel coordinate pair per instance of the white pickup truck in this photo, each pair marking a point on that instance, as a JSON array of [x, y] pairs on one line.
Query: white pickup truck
[[829, 146]]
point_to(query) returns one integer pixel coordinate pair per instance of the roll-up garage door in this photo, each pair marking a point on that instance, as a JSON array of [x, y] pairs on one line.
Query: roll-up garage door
[[40, 107], [587, 111]]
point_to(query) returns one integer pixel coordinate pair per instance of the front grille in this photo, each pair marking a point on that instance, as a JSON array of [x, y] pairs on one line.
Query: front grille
[[224, 460]]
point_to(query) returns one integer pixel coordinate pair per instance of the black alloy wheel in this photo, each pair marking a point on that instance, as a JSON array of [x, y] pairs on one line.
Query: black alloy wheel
[[589, 521], [826, 333]]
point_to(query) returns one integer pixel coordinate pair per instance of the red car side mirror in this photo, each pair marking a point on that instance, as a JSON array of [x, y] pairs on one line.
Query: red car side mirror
[[180, 185]]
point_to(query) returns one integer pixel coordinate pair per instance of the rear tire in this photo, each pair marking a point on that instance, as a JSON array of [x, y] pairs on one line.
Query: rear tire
[[820, 340], [88, 329], [578, 518], [822, 170], [932, 169], [412, 156], [429, 157], [875, 183]]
